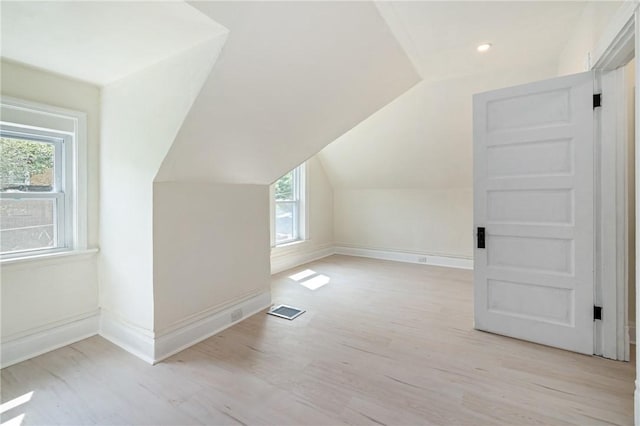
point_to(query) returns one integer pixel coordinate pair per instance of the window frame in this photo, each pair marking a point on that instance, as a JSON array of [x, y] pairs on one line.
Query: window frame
[[62, 238], [299, 201], [67, 130]]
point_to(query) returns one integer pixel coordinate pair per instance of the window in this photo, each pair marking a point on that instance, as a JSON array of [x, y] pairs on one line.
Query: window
[[39, 188], [288, 202]]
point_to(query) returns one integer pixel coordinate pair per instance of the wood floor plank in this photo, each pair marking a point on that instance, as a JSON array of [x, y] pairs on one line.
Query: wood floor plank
[[382, 343]]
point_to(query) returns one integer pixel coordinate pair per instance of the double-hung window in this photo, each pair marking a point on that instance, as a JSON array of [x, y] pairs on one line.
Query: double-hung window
[[38, 182], [288, 201]]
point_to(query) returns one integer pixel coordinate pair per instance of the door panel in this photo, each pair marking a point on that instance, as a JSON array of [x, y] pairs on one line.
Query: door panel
[[540, 206], [530, 158], [534, 195]]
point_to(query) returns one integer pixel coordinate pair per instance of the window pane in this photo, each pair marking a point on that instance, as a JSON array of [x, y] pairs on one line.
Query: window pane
[[27, 225], [285, 222], [284, 187], [26, 165]]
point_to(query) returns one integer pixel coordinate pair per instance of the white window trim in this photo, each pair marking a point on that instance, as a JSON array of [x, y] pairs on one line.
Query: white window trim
[[302, 215], [34, 118]]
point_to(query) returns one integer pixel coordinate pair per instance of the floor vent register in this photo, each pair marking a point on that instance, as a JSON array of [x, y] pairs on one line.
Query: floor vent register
[[286, 311]]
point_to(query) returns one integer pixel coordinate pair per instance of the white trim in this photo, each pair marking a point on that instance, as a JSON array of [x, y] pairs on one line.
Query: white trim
[[61, 193], [49, 258], [636, 407], [615, 47], [272, 216], [409, 257], [48, 339], [200, 329], [132, 339], [631, 332], [297, 255], [636, 403], [301, 220], [80, 184], [54, 112], [611, 226], [38, 117], [144, 344], [304, 228]]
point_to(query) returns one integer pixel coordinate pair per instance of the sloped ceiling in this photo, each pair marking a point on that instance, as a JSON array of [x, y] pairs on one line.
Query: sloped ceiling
[[421, 140], [441, 36], [100, 42], [424, 138], [292, 77]]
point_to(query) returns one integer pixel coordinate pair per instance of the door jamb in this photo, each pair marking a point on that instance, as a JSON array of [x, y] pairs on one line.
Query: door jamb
[[611, 290], [615, 48]]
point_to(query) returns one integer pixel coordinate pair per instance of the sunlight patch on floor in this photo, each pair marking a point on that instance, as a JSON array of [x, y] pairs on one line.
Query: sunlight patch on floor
[[302, 275], [315, 282], [310, 279], [14, 403], [16, 421]]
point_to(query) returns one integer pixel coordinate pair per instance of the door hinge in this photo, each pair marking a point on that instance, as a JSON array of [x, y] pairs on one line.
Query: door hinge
[[597, 313], [597, 100]]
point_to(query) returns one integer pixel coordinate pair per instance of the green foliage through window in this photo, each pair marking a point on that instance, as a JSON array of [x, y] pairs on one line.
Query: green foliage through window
[[25, 163], [284, 187]]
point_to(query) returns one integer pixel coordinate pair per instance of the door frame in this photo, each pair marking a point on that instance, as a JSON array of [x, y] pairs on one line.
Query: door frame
[[615, 48], [611, 335]]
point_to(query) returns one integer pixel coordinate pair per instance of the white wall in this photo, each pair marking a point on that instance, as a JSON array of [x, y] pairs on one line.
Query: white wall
[[291, 77], [434, 222], [319, 212], [141, 115], [402, 179], [39, 294], [210, 248], [585, 35]]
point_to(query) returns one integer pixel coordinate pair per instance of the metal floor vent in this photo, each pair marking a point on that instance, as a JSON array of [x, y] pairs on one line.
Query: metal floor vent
[[286, 311]]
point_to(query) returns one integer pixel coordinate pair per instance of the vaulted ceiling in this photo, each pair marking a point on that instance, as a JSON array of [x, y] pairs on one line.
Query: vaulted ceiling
[[294, 76], [291, 78], [100, 42], [423, 139], [441, 37]]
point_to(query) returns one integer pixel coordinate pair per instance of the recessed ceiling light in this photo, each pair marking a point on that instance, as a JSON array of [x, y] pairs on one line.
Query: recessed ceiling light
[[484, 47]]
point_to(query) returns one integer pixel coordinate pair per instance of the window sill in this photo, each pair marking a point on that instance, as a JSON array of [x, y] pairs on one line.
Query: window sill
[[49, 256], [287, 248], [289, 244]]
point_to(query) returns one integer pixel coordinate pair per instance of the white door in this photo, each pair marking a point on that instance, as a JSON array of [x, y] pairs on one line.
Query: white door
[[534, 197]]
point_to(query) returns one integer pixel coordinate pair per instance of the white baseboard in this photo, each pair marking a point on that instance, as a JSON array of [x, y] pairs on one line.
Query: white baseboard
[[398, 256], [288, 260], [132, 339], [154, 348], [631, 329], [202, 328], [48, 339]]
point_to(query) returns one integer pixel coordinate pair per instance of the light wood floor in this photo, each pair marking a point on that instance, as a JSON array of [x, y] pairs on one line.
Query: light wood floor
[[381, 343]]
